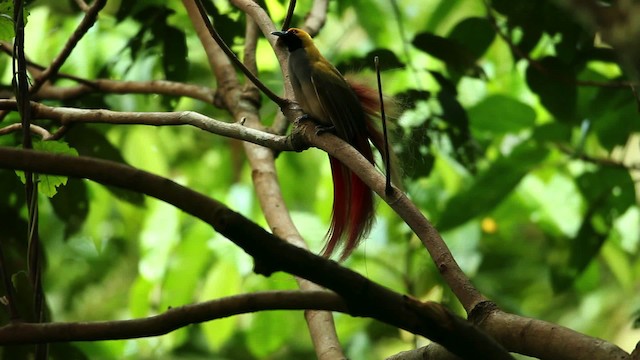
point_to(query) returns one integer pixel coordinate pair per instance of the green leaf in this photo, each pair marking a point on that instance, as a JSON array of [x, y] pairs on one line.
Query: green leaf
[[174, 51], [491, 186], [614, 116], [48, 184], [555, 86], [7, 25], [388, 60], [71, 205], [500, 114], [271, 330], [223, 280], [584, 247], [475, 34], [455, 55], [611, 189]]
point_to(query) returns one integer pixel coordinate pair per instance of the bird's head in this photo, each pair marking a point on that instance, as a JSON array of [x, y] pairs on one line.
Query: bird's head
[[294, 38]]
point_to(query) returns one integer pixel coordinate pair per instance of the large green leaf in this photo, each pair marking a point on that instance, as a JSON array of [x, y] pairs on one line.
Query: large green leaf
[[456, 56], [609, 193], [474, 33], [555, 83], [223, 280], [500, 114], [174, 54], [491, 186], [71, 205]]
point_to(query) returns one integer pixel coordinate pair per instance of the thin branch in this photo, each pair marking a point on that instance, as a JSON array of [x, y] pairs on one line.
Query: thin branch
[[172, 319], [263, 20], [290, 10], [87, 22], [230, 54], [34, 246], [459, 283], [233, 130], [544, 340], [160, 87], [35, 129], [272, 254], [598, 160], [82, 5], [316, 17], [267, 186]]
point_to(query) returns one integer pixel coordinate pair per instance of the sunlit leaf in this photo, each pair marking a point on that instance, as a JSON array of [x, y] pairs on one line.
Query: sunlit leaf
[[223, 280], [500, 114], [48, 184], [491, 186]]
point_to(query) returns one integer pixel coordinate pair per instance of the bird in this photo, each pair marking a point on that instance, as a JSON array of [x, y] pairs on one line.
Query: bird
[[346, 109]]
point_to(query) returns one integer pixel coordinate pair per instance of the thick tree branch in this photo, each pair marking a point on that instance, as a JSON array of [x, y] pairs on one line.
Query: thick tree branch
[[271, 254]]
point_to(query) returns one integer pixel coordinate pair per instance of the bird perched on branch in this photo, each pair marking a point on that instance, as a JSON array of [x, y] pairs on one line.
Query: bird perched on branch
[[346, 109]]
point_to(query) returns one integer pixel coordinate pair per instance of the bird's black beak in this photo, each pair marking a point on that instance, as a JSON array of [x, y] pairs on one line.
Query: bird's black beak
[[279, 33]]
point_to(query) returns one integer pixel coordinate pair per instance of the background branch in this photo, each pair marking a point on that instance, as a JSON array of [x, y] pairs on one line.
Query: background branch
[[170, 320], [87, 22]]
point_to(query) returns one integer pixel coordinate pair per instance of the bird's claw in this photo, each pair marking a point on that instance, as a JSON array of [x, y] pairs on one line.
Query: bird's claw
[[302, 117], [321, 129]]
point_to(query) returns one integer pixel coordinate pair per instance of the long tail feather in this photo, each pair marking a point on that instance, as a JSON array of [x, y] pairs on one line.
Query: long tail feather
[[352, 215]]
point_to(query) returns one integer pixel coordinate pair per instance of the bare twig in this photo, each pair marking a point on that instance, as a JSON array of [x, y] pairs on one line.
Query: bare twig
[[214, 34], [35, 129], [34, 247], [265, 178], [87, 22], [316, 17], [232, 130], [290, 10], [82, 5], [597, 160]]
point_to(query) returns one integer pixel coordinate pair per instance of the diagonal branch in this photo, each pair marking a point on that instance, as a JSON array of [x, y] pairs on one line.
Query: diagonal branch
[[459, 283], [87, 22], [230, 54]]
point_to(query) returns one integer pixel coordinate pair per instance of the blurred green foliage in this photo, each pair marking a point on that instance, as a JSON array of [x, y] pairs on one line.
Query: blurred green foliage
[[502, 146]]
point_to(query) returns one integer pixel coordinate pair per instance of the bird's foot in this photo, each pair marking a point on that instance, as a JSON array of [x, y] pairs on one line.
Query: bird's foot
[[302, 118], [321, 129]]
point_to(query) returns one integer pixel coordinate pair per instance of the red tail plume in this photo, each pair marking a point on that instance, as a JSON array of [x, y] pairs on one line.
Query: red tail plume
[[352, 214], [369, 98]]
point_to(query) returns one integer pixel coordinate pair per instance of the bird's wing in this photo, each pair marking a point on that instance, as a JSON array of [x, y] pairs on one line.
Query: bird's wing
[[339, 102]]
